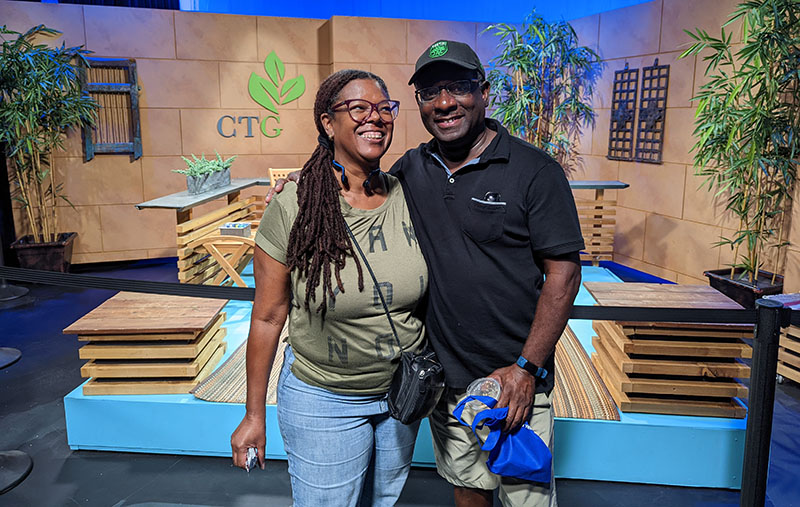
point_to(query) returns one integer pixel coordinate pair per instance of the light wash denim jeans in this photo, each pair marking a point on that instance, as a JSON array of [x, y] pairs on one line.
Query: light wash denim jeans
[[344, 450]]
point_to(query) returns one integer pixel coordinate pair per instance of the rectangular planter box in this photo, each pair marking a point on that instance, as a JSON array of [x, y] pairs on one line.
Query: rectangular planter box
[[742, 291], [52, 256], [199, 184]]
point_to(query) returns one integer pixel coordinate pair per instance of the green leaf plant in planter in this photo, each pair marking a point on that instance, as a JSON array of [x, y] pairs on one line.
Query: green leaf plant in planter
[[40, 98], [747, 125], [541, 83], [204, 174]]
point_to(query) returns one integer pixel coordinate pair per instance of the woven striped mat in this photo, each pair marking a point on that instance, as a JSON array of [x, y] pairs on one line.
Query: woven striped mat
[[579, 391]]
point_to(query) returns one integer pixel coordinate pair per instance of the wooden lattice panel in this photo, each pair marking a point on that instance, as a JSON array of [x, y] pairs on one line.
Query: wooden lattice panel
[[789, 354], [623, 114]]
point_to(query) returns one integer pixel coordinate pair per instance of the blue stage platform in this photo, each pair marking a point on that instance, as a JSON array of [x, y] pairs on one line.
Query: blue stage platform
[[643, 448]]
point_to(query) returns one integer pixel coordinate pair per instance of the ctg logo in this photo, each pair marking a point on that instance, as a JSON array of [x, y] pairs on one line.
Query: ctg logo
[[269, 92]]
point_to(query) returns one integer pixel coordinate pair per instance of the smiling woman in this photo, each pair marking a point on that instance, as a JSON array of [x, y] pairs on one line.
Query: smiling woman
[[341, 353]]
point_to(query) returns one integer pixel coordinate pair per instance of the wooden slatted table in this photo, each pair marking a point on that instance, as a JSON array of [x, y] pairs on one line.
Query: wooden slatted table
[[196, 263], [150, 344], [598, 218], [668, 367]]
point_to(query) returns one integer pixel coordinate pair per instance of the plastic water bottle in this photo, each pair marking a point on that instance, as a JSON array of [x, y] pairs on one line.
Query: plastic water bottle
[[486, 386]]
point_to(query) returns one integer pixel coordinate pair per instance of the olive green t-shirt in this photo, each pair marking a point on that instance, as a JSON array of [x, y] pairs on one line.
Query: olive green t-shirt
[[352, 350]]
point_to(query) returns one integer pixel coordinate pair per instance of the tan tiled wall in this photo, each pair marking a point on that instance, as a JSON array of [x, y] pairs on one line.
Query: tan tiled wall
[[666, 222], [193, 68]]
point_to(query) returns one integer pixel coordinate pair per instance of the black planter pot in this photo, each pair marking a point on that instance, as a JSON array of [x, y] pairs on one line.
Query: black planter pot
[[741, 290], [52, 256]]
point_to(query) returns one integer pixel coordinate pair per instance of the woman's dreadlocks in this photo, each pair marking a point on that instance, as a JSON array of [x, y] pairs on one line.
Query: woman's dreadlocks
[[319, 237]]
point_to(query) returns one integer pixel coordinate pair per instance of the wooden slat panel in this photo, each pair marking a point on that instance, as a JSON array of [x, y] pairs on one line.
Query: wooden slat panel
[[789, 358], [156, 368], [723, 334], [153, 386], [191, 239], [214, 215], [654, 295], [789, 372], [789, 342], [132, 313], [152, 350]]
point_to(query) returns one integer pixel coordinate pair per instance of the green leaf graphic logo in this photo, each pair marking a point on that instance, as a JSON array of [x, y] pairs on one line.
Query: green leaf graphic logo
[[265, 90]]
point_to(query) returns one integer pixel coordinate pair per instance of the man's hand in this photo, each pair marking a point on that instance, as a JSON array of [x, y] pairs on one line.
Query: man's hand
[[518, 388], [277, 186]]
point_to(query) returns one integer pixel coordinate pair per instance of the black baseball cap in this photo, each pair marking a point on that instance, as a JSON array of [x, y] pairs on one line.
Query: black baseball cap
[[449, 51]]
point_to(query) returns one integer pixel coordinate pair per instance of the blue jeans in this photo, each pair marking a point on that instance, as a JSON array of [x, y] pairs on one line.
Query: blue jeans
[[336, 441]]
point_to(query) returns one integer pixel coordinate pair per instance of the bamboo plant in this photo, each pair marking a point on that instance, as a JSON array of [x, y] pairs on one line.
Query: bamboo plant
[[40, 97], [542, 82], [747, 125]]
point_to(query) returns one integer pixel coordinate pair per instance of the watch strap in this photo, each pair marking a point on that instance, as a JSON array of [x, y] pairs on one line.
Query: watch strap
[[536, 371]]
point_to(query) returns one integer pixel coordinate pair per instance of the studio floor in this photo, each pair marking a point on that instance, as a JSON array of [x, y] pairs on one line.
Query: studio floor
[[31, 404]]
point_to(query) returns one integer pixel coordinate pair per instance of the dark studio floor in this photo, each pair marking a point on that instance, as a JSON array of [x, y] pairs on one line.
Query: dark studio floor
[[32, 420]]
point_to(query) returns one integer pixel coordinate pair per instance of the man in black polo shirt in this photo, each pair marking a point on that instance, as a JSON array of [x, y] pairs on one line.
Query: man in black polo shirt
[[493, 215]]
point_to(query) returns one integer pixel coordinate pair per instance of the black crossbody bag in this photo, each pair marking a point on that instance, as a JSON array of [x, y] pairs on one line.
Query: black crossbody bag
[[418, 381]]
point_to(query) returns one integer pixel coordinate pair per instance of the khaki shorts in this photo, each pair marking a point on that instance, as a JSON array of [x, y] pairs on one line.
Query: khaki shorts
[[460, 460]]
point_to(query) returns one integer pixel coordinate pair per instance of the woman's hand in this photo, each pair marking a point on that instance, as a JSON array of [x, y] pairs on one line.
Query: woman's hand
[[250, 433]]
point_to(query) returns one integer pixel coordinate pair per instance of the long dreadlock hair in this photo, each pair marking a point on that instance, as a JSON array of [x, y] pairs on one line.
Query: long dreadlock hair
[[319, 237]]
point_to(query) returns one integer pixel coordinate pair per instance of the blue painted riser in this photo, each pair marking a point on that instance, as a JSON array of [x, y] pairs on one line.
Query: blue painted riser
[[645, 448]]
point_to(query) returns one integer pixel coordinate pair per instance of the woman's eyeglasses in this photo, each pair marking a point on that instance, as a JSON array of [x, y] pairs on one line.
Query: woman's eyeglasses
[[361, 110], [460, 88]]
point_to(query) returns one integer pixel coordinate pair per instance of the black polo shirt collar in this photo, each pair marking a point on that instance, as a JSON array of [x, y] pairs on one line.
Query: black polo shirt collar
[[497, 151]]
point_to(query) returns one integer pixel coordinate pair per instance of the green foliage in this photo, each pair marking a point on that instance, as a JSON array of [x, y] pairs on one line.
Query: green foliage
[[747, 124], [201, 166], [40, 97], [542, 83], [265, 90]]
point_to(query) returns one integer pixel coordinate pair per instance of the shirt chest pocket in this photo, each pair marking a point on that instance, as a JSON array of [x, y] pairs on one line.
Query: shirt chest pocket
[[484, 220]]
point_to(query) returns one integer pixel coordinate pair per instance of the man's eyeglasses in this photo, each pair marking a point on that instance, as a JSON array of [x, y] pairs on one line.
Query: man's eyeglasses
[[460, 88], [361, 110]]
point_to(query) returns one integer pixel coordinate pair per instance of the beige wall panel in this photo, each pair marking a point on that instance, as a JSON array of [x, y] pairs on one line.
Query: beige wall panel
[[652, 269], [294, 40], [209, 36], [600, 132], [595, 168], [399, 136], [655, 188], [160, 253], [791, 275], [588, 30], [630, 231], [367, 40], [127, 228], [700, 204], [234, 79], [199, 131], [85, 220], [681, 79], [73, 144], [161, 132], [298, 134], [389, 159], [396, 78], [691, 280], [108, 179], [158, 179], [178, 83], [726, 253], [68, 19], [125, 255], [690, 14], [423, 33], [678, 138], [129, 32], [630, 31], [584, 144], [794, 225], [415, 133], [314, 75], [680, 246]]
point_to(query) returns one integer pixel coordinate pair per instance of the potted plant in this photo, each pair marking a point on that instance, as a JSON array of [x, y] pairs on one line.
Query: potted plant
[[747, 126], [204, 174], [542, 82], [40, 97]]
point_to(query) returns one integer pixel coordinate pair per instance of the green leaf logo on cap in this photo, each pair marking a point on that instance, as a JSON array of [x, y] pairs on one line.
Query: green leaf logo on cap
[[438, 49]]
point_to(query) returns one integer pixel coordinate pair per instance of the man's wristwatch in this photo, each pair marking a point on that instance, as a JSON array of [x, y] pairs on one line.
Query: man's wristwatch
[[537, 371]]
